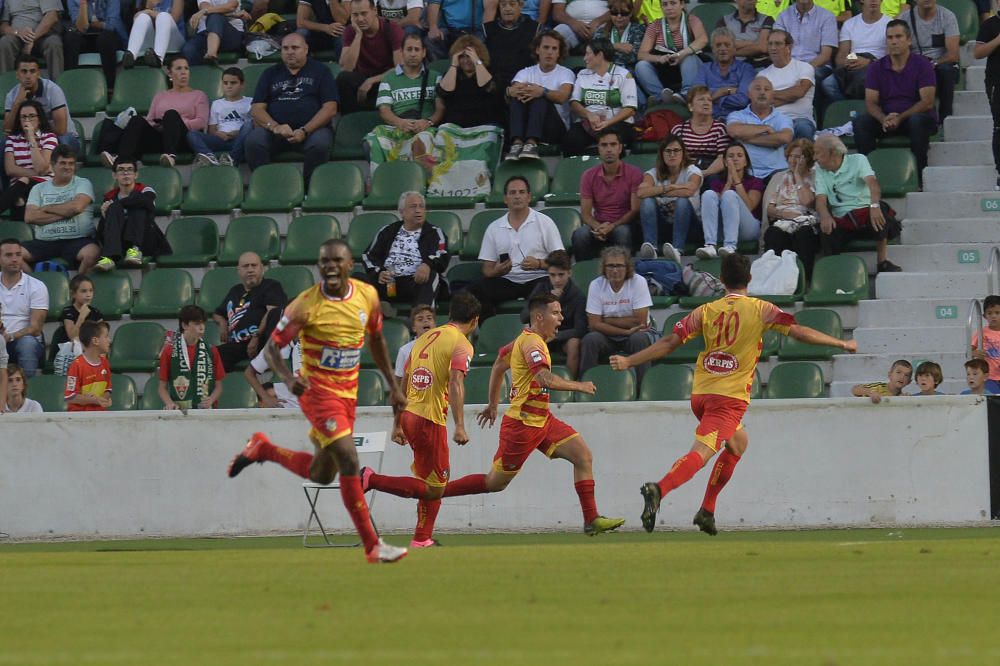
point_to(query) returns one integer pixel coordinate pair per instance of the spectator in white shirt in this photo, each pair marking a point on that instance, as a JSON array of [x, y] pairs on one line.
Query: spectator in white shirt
[[793, 82], [24, 304], [862, 42]]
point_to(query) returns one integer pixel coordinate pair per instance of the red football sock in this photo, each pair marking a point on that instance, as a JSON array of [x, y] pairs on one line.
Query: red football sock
[[427, 512], [354, 502], [721, 473], [297, 462], [585, 491], [473, 484], [400, 486], [682, 471]]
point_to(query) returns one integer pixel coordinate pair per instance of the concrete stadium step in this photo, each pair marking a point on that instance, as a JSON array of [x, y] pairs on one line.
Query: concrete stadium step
[[968, 128], [869, 367], [960, 153], [931, 285], [910, 340], [970, 231], [912, 312], [975, 77], [971, 103], [966, 59], [950, 386], [959, 178], [949, 257], [952, 205]]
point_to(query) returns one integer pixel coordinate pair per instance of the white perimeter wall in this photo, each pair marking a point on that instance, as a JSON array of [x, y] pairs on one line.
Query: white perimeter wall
[[810, 463]]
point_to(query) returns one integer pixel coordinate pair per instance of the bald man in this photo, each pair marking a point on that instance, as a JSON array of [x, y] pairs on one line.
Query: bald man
[[243, 314], [293, 106], [762, 129]]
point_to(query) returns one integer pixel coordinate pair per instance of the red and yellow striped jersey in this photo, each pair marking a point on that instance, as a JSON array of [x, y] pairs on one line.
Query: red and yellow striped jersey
[[434, 355], [333, 335], [529, 402], [733, 327]]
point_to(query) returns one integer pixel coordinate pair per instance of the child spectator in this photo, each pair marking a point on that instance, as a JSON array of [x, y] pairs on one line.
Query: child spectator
[[899, 377], [228, 124], [976, 373], [191, 370], [991, 342], [421, 321], [929, 377], [18, 401], [128, 229], [574, 308], [88, 382], [81, 289]]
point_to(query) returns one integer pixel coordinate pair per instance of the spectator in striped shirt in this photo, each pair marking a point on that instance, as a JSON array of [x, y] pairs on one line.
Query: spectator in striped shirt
[[704, 137], [27, 156]]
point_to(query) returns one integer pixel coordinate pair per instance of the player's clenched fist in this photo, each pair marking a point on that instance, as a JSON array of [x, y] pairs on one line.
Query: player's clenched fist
[[619, 362], [461, 437]]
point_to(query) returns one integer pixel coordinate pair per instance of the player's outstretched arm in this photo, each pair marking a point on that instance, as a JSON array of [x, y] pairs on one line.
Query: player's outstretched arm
[[658, 349], [456, 401], [548, 379], [814, 337]]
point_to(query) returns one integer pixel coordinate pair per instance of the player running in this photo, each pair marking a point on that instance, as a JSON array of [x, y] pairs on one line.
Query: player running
[[331, 320], [732, 327], [434, 380], [528, 423]]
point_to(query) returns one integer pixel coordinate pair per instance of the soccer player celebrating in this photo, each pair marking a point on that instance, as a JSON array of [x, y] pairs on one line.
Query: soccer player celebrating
[[331, 320], [434, 380], [732, 327], [528, 423]]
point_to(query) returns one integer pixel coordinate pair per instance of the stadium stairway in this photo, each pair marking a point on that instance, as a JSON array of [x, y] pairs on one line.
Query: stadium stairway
[[948, 234]]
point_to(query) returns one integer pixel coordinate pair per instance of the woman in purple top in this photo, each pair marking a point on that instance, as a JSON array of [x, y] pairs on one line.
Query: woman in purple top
[[736, 195]]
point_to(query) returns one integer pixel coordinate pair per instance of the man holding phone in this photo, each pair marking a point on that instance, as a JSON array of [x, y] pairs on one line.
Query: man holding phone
[[514, 249]]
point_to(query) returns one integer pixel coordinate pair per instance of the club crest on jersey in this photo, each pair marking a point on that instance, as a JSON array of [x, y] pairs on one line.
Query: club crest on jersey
[[421, 379], [331, 425], [720, 363], [363, 316]]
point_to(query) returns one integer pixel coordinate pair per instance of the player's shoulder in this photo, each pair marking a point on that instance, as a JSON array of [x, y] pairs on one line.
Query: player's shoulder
[[364, 290]]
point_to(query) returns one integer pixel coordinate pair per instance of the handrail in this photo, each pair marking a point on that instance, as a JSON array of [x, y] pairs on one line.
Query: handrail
[[993, 269], [975, 319]]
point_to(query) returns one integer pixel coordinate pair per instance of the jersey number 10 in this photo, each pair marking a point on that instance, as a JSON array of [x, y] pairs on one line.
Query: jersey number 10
[[727, 324]]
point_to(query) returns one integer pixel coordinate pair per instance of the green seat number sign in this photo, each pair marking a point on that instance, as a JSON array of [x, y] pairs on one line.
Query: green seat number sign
[[946, 312], [968, 256]]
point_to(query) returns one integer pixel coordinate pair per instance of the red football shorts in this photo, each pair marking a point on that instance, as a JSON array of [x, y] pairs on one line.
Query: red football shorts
[[429, 442], [719, 416], [332, 417], [517, 441]]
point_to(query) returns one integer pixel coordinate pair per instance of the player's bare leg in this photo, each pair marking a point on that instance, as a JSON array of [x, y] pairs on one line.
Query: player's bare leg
[[260, 449], [576, 451], [412, 488], [683, 469], [722, 471]]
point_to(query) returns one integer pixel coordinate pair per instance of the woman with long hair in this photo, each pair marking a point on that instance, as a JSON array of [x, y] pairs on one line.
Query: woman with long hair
[[668, 56], [670, 194], [17, 393], [467, 87], [27, 156], [731, 205]]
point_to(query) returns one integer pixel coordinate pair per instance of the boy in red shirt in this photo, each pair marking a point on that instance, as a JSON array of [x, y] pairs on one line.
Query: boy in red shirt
[[191, 371], [88, 381]]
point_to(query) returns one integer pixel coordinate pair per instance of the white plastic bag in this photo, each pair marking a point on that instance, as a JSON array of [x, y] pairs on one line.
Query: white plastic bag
[[68, 351], [774, 275], [121, 120]]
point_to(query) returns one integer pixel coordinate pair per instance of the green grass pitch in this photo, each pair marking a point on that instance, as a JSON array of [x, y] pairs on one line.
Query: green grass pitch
[[829, 598]]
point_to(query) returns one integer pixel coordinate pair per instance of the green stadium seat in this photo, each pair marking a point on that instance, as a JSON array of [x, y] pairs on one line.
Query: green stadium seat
[[968, 18], [451, 225], [586, 271], [567, 220], [136, 347], [795, 380], [574, 62], [86, 91], [213, 189], [688, 352], [559, 397], [565, 189], [112, 293], [477, 387], [58, 285], [839, 113], [48, 390], [208, 79], [770, 344], [667, 382], [534, 171], [151, 394], [335, 186], [896, 170], [274, 188], [168, 185], [7, 81], [643, 161], [212, 331], [709, 13], [214, 286], [237, 393], [348, 141], [494, 333], [477, 230], [305, 235], [294, 279], [16, 230], [136, 87], [396, 334], [363, 229], [845, 272], [163, 293], [824, 321], [124, 397], [102, 179], [391, 180], [612, 385], [462, 274], [372, 390], [194, 241], [331, 63], [440, 65], [251, 75], [757, 390], [250, 233]]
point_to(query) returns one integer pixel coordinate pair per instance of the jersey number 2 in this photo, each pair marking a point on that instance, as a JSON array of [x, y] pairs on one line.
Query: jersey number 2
[[728, 325], [430, 340]]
